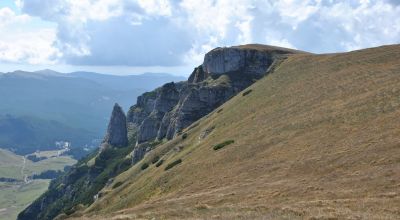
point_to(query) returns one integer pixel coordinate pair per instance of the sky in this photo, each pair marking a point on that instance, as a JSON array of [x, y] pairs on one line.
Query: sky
[[172, 36]]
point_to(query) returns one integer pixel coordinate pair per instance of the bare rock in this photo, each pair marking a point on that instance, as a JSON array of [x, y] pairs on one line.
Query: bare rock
[[117, 130]]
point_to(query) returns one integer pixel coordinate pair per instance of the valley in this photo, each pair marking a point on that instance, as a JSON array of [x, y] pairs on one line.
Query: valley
[[192, 110], [14, 197], [17, 188], [43, 107]]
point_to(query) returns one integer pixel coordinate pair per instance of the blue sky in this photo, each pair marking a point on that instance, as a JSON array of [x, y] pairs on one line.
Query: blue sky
[[9, 4], [135, 36]]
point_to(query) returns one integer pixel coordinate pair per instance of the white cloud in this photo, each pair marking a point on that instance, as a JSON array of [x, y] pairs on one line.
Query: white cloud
[[8, 16], [98, 10], [156, 7], [282, 42], [22, 46], [29, 47], [179, 32], [368, 24], [294, 12], [216, 23]]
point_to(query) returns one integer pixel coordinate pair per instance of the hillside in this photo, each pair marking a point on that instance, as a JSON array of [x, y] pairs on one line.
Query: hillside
[[156, 117], [27, 134], [17, 188], [12, 166], [316, 138]]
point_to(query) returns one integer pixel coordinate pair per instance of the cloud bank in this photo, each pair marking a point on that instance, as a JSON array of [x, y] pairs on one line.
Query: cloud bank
[[174, 33]]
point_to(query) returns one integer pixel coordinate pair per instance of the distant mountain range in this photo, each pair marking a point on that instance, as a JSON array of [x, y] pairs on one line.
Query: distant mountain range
[[74, 106]]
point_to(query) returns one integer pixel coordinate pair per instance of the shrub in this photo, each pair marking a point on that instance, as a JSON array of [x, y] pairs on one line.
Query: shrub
[[247, 92], [35, 158], [223, 144], [144, 166], [184, 136], [159, 163], [170, 165], [124, 165], [117, 185], [155, 159], [220, 110], [150, 94], [48, 174]]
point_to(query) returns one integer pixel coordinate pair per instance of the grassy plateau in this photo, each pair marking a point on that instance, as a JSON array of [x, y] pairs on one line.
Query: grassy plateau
[[15, 196]]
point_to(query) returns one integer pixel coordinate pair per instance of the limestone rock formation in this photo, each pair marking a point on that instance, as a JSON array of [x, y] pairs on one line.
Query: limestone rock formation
[[253, 60], [157, 115], [166, 111], [117, 130]]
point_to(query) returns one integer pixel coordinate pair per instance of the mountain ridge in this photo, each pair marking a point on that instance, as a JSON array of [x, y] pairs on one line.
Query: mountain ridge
[[154, 118], [301, 142], [315, 139]]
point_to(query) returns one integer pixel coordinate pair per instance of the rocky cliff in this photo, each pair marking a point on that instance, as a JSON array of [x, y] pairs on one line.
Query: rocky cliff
[[158, 115], [164, 112], [117, 130]]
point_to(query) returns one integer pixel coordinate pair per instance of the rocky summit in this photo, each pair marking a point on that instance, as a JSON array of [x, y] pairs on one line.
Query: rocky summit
[[117, 131], [166, 111]]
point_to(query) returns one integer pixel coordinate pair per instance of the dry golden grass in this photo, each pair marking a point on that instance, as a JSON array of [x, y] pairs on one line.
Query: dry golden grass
[[262, 47], [319, 138]]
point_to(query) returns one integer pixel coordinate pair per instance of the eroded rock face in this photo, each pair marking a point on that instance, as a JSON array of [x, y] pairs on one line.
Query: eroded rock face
[[253, 61], [117, 130], [197, 75], [197, 101], [164, 100], [139, 152], [163, 113]]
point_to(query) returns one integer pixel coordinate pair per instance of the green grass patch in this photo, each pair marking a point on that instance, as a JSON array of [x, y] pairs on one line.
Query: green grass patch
[[170, 165], [15, 197], [12, 164], [223, 144], [117, 184]]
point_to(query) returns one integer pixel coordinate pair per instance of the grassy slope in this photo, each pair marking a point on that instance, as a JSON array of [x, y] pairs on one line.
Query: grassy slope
[[11, 164], [53, 163], [8, 157], [319, 137], [15, 197]]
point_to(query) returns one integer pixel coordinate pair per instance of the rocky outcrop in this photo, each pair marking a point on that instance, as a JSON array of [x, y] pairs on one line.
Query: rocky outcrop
[[198, 75], [252, 60], [150, 110], [166, 111], [157, 115], [117, 130]]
